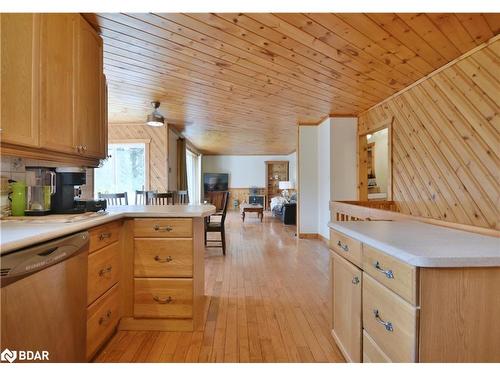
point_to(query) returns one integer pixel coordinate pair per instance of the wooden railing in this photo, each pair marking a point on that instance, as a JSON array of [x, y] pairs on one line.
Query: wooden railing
[[388, 211], [361, 210]]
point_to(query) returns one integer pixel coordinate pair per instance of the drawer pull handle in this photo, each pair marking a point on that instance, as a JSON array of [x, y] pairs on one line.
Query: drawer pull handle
[[166, 260], [355, 280], [388, 325], [104, 271], [388, 273], [163, 301], [343, 246], [166, 228], [104, 236], [105, 319]]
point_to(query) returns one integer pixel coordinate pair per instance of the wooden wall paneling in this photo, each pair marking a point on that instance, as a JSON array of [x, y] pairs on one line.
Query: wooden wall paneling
[[240, 82], [428, 143], [458, 152], [446, 139], [157, 146], [362, 168]]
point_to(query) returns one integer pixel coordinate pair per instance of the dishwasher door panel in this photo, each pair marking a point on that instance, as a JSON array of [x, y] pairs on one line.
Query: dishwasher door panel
[[47, 311]]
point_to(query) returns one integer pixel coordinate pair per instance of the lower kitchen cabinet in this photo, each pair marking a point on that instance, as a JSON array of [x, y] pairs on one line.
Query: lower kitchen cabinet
[[103, 287], [346, 307], [391, 311], [102, 318]]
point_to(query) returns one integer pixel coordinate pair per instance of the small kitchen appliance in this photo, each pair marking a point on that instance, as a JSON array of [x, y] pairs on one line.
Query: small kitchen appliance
[[67, 199], [40, 187]]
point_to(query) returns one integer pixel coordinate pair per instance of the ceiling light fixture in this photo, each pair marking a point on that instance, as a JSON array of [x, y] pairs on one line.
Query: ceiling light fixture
[[155, 118]]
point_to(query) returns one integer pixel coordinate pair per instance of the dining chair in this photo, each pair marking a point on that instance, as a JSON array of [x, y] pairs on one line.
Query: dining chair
[[218, 226], [142, 197], [114, 199], [161, 199], [182, 197]]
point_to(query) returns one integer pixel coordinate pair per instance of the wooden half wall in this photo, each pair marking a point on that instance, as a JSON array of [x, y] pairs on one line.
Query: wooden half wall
[[158, 149], [445, 148]]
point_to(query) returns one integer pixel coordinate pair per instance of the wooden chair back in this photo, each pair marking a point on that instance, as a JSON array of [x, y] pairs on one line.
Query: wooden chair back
[[114, 199], [161, 199], [218, 199], [225, 202], [142, 197], [182, 197]]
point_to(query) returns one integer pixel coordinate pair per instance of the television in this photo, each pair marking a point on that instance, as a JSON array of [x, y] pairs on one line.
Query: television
[[215, 182]]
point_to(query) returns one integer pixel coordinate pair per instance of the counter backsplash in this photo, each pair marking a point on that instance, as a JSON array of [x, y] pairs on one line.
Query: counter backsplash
[[14, 168]]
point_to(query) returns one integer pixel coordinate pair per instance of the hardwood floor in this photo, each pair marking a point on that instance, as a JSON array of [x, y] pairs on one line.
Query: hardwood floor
[[268, 302]]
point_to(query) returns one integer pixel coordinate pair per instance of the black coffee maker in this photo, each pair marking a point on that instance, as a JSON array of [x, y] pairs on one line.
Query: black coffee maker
[[67, 198]]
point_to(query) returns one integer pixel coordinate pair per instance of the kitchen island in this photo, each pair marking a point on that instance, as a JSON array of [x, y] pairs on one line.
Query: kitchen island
[[145, 267], [406, 291]]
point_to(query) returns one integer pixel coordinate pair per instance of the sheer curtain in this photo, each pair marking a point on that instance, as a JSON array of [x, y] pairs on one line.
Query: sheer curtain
[[193, 176]]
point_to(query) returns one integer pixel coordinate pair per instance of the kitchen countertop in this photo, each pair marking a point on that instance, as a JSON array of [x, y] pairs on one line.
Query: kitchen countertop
[[16, 233], [424, 245]]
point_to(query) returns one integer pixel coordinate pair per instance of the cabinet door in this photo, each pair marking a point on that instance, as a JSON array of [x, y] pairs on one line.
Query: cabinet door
[[89, 98], [57, 81], [19, 78], [346, 307]]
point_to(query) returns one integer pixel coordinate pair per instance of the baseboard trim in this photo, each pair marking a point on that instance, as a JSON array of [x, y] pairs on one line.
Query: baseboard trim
[[309, 236]]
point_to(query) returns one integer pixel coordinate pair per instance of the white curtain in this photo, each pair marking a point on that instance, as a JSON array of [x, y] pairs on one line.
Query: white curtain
[[193, 177]]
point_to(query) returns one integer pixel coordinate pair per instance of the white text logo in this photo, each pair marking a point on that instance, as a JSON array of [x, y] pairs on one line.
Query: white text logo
[[23, 355]]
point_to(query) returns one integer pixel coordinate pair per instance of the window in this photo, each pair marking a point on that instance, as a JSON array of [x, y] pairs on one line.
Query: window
[[193, 176], [123, 171]]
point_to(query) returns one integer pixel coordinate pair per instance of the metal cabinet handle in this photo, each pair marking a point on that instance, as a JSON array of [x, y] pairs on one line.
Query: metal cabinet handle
[[388, 273], [388, 325], [355, 280], [104, 271], [342, 246], [160, 260], [105, 319], [104, 236], [166, 228], [163, 301]]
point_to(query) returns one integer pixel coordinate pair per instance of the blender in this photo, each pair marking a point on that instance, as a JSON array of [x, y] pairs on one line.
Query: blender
[[40, 186]]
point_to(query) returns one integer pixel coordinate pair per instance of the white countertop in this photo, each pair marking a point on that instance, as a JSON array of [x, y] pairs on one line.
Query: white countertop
[[16, 234], [424, 245]]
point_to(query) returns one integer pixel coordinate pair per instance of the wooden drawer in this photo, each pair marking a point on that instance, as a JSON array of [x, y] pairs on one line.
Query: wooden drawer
[[394, 274], [347, 247], [176, 228], [103, 271], [163, 298], [102, 317], [104, 235], [163, 257], [371, 352], [390, 321]]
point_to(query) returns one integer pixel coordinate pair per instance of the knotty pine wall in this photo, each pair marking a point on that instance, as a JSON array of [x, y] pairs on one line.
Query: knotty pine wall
[[446, 141], [158, 149]]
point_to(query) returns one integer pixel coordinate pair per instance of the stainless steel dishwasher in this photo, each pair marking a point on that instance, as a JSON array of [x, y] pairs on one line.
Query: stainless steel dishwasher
[[43, 299]]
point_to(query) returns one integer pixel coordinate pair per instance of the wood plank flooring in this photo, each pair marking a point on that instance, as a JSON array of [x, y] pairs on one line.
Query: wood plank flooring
[[268, 302]]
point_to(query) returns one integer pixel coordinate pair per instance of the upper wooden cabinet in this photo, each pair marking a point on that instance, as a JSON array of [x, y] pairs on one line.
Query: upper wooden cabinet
[[53, 91], [58, 61], [19, 79], [89, 95]]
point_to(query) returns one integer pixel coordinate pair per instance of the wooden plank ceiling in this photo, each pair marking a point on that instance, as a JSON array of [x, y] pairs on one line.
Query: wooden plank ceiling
[[239, 83]]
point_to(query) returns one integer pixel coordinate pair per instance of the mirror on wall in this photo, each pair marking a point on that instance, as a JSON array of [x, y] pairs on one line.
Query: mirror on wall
[[377, 159]]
